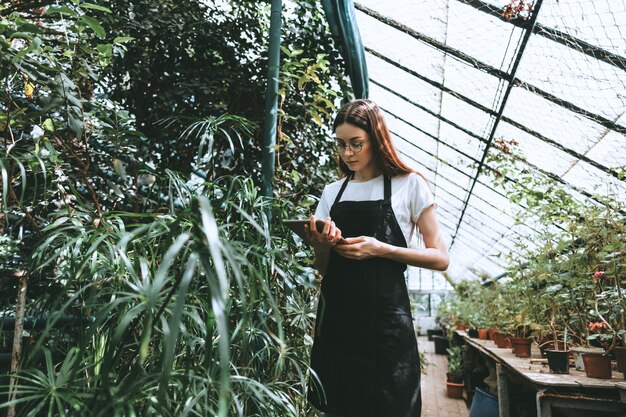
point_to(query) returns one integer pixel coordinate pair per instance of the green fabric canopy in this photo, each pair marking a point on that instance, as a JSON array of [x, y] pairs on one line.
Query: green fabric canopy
[[342, 22]]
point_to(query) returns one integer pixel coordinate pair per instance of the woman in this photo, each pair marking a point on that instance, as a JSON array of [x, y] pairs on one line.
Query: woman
[[364, 359]]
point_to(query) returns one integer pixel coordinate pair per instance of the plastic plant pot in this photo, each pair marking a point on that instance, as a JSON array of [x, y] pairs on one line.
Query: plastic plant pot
[[558, 361]]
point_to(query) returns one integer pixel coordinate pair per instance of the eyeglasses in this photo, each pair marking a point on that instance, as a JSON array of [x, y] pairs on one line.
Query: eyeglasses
[[355, 147]]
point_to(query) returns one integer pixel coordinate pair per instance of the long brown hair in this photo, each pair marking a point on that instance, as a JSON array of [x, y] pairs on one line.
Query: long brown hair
[[365, 114]]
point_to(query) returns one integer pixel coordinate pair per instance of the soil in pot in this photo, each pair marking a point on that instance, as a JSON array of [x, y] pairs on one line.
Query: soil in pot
[[597, 365], [558, 361], [457, 379]]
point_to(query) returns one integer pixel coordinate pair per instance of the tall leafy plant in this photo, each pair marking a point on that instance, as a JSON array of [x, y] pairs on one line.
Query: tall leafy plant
[[185, 313]]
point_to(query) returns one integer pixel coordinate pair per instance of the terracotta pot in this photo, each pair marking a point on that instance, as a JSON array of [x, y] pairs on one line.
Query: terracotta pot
[[507, 341], [521, 346], [558, 361], [455, 390], [483, 334], [597, 365], [499, 337], [461, 326], [502, 340], [492, 333], [579, 351]]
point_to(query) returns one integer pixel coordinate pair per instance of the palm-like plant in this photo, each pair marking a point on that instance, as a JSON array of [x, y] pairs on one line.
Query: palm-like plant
[[187, 315]]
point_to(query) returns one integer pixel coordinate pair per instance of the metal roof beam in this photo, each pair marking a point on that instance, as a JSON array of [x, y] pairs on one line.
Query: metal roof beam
[[518, 58]]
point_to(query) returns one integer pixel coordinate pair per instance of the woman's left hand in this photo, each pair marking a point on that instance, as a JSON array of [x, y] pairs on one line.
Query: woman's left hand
[[359, 248]]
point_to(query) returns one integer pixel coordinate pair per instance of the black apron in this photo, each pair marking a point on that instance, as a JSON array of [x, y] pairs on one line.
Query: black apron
[[364, 356]]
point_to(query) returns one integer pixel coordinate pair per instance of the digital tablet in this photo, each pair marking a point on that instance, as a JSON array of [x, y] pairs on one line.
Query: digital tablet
[[298, 227]]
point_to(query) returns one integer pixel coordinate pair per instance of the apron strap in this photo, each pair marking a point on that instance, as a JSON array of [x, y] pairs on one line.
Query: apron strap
[[343, 188], [387, 188]]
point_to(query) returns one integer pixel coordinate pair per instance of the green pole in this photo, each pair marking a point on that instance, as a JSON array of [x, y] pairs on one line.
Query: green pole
[[271, 100]]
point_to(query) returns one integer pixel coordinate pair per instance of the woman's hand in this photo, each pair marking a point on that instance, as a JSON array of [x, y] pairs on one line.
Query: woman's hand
[[329, 236], [362, 247]]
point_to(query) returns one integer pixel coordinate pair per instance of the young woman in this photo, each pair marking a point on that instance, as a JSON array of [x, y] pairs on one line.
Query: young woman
[[365, 358]]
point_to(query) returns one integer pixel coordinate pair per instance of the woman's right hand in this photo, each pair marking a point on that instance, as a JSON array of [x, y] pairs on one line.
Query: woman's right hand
[[329, 236]]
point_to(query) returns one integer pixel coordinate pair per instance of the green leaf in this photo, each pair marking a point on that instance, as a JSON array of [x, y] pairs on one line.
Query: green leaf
[[48, 125], [21, 35], [123, 39], [94, 25], [95, 7], [61, 10], [76, 126]]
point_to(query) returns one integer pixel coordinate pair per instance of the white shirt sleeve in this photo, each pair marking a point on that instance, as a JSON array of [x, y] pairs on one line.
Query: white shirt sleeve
[[420, 197], [323, 210]]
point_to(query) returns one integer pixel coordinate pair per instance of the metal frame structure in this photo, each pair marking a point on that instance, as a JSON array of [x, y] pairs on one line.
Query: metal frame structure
[[489, 226]]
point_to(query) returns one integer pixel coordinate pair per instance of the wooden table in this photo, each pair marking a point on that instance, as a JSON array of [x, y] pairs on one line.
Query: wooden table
[[574, 390]]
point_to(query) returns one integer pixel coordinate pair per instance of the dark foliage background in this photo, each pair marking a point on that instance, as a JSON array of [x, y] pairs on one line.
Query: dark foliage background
[[130, 158]]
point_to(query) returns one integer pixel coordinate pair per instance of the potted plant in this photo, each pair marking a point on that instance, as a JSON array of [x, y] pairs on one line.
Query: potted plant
[[454, 382], [558, 359], [521, 340], [598, 364]]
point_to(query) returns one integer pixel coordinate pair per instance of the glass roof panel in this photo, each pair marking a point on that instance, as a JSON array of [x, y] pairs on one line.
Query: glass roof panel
[[563, 126], [404, 83], [471, 82], [430, 18], [401, 108], [595, 181], [400, 47], [610, 150], [465, 115], [536, 151], [575, 77], [598, 22], [461, 140], [484, 37]]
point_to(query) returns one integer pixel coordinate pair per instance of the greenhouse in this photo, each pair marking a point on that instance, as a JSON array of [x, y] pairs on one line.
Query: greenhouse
[[160, 163]]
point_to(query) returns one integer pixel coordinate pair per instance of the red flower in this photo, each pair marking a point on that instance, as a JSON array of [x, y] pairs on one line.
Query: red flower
[[598, 275], [598, 326]]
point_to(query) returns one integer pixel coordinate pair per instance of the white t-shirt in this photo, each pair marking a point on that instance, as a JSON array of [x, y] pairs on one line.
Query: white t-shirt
[[410, 196]]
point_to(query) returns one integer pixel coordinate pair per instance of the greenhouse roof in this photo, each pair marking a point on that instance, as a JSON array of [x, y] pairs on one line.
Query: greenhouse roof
[[453, 77]]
